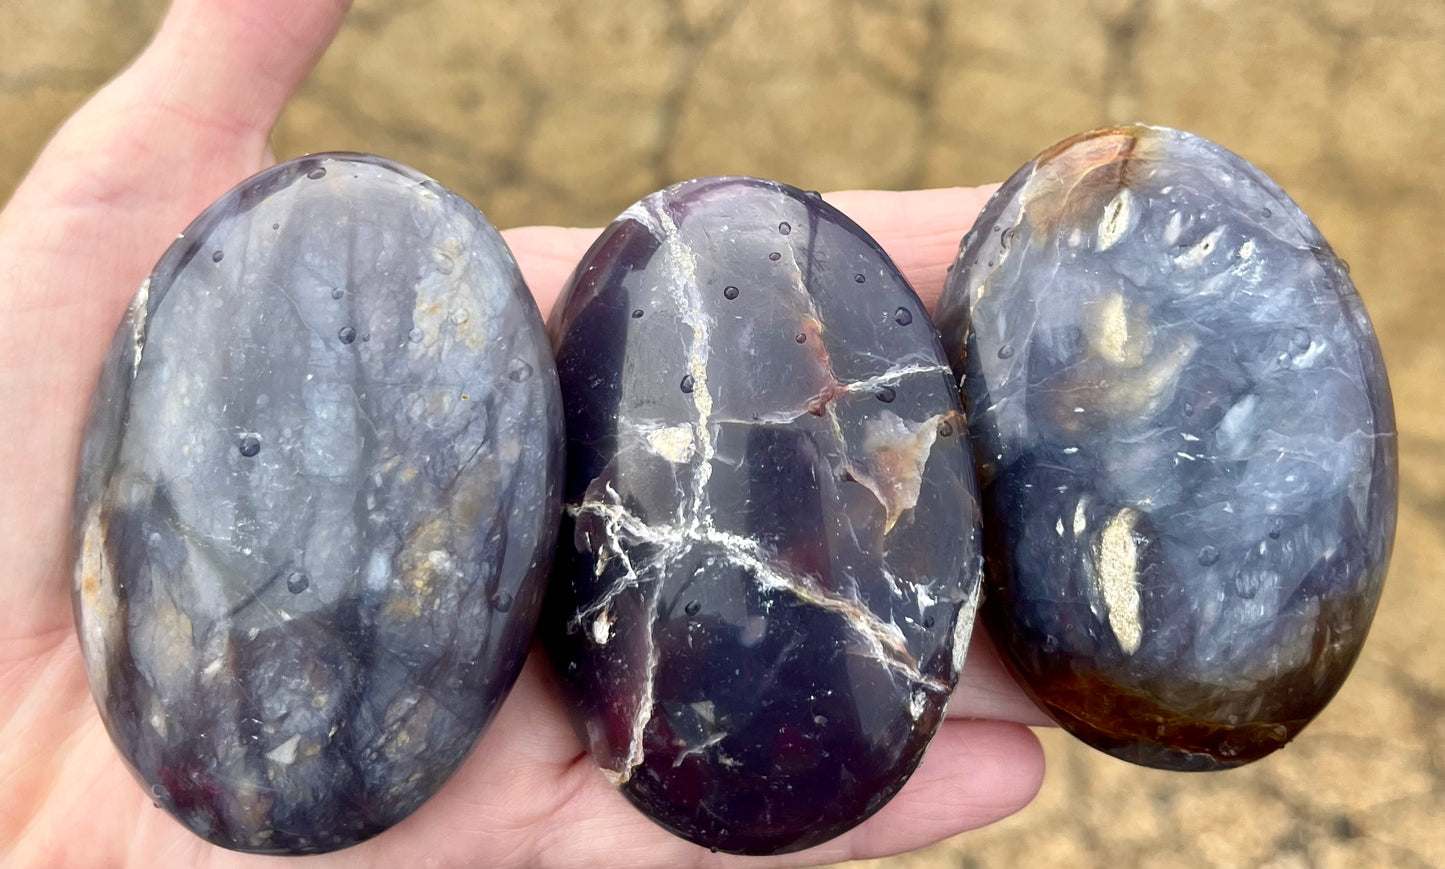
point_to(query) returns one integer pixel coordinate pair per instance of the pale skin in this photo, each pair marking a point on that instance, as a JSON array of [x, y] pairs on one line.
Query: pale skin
[[188, 120]]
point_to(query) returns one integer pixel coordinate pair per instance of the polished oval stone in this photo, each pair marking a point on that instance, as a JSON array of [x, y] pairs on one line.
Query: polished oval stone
[[317, 504], [770, 554], [1185, 442]]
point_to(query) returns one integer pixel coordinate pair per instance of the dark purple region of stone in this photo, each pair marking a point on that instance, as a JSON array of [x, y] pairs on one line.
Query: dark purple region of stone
[[317, 505], [770, 553], [1186, 446]]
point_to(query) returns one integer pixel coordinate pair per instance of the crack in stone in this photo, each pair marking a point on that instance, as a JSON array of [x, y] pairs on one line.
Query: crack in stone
[[884, 639], [645, 705], [872, 384], [686, 293], [821, 403]]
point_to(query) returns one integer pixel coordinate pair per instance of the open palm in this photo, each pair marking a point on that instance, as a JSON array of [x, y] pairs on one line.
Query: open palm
[[188, 120]]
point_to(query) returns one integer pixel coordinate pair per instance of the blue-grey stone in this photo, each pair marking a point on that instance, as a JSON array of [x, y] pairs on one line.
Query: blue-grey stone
[[317, 503], [1185, 442], [770, 554]]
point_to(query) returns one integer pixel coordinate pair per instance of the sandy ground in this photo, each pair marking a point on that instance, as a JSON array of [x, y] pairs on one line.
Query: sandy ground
[[551, 111]]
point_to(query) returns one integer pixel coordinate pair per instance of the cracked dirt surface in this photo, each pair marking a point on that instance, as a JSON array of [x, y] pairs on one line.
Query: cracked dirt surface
[[543, 113]]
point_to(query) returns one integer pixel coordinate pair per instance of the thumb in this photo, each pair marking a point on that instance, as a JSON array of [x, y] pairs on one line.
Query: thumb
[[191, 116]]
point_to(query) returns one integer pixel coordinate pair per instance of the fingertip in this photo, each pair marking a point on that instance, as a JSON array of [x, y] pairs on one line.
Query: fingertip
[[920, 229], [986, 689], [974, 774], [979, 772], [547, 256], [233, 66]]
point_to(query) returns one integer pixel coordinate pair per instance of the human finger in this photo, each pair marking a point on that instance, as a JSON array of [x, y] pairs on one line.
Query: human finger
[[975, 773], [920, 230]]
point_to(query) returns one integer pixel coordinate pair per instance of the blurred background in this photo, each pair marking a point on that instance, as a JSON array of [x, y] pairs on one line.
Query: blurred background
[[557, 112]]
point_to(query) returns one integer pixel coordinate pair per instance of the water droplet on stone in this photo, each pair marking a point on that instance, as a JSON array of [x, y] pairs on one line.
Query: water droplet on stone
[[414, 336], [338, 293], [886, 394], [945, 430], [1300, 340], [903, 316], [1276, 528], [365, 336], [785, 227], [1006, 351], [858, 279], [218, 256], [687, 383], [1188, 409], [800, 338], [346, 334], [520, 371], [1208, 555], [445, 265], [775, 256], [637, 314], [820, 720], [501, 601], [928, 621], [250, 445], [317, 174], [730, 293], [1266, 213], [297, 582], [693, 607]]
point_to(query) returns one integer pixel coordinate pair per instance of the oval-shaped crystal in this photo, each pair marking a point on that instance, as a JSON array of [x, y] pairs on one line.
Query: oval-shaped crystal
[[1185, 441], [310, 474], [770, 552]]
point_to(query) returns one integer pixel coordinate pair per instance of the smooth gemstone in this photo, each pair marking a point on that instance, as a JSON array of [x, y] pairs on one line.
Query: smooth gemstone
[[309, 568], [1185, 441], [767, 577]]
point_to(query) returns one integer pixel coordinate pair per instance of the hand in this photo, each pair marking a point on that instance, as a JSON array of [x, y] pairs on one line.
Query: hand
[[188, 120]]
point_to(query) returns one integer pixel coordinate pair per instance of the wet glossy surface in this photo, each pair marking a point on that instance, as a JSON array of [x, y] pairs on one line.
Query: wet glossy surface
[[1186, 446], [770, 555], [317, 504]]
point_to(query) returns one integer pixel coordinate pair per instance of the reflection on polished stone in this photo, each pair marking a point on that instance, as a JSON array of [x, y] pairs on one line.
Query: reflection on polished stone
[[770, 554], [1186, 446], [317, 503]]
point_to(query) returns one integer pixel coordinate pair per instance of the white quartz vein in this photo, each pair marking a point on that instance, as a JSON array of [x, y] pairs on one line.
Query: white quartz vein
[[645, 705], [688, 296], [884, 640], [824, 399], [138, 316]]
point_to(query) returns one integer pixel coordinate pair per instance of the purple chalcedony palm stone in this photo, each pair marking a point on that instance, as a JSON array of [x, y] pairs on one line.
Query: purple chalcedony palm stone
[[317, 504], [770, 553], [1185, 441]]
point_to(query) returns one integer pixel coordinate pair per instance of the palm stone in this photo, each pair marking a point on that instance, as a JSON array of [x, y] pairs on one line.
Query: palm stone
[[1185, 442], [318, 499], [771, 552]]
